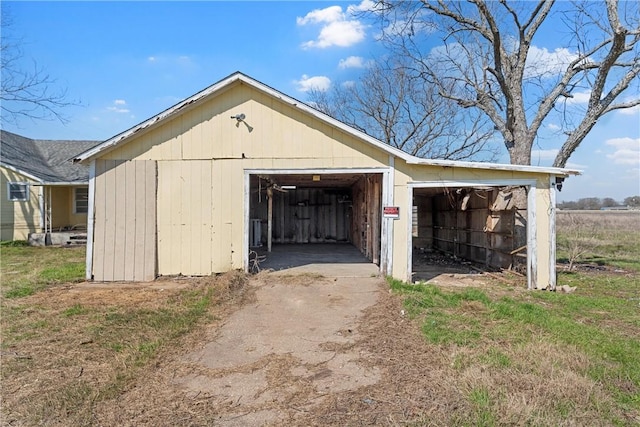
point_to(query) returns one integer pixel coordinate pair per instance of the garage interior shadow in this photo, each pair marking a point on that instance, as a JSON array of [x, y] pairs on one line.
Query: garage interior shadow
[[297, 255]]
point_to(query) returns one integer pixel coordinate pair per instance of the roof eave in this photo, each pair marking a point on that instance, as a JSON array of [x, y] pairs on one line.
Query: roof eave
[[64, 183], [494, 166], [21, 172], [294, 103], [122, 137]]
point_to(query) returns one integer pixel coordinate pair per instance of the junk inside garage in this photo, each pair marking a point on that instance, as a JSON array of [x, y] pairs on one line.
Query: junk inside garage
[[454, 228], [293, 209]]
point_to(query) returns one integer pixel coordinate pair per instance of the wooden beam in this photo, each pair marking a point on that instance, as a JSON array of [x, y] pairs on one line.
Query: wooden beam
[[270, 217]]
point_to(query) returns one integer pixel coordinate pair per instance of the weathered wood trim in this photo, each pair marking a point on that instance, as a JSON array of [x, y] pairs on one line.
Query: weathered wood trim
[[552, 234], [384, 228], [532, 241], [269, 218], [246, 214], [150, 271], [389, 221], [479, 183], [314, 171], [90, 220], [409, 231], [41, 207]]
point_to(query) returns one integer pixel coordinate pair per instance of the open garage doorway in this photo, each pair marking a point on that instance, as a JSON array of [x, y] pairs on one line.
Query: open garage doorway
[[467, 229], [301, 218]]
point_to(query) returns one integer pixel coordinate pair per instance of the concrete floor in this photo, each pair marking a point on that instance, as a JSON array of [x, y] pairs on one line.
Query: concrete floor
[[326, 259]]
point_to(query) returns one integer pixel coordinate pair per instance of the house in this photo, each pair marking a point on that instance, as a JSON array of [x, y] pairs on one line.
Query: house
[[42, 190], [239, 164]]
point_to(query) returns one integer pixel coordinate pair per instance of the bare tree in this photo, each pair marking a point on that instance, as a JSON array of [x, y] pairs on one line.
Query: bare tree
[[395, 106], [577, 237], [25, 93], [488, 57]]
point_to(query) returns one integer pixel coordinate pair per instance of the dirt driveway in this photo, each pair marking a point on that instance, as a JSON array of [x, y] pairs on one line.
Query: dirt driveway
[[296, 338], [304, 351]]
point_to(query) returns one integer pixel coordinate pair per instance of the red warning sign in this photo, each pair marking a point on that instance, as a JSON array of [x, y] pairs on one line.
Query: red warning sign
[[391, 212]]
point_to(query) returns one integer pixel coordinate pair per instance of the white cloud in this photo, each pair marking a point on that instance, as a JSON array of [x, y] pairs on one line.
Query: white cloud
[[306, 83], [542, 62], [553, 127], [119, 106], [630, 111], [627, 150], [171, 60], [364, 6], [549, 154], [328, 14], [578, 166], [579, 98], [352, 62], [337, 29], [348, 84]]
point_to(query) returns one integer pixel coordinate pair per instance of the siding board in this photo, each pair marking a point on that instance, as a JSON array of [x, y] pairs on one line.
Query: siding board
[[124, 248], [140, 211], [130, 214]]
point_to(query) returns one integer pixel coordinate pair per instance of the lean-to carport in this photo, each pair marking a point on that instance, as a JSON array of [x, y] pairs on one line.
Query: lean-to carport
[[460, 240]]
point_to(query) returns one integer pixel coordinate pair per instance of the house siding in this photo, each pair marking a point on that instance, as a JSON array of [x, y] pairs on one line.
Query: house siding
[[19, 218]]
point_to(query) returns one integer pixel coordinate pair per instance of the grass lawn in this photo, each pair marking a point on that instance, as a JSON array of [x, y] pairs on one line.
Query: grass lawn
[[26, 270], [570, 359], [67, 348]]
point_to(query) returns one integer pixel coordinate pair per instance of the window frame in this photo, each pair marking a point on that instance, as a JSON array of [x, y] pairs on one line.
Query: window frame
[[76, 200], [26, 191]]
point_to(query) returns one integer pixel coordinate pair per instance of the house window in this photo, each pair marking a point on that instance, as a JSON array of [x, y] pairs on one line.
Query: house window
[[81, 200], [18, 191]]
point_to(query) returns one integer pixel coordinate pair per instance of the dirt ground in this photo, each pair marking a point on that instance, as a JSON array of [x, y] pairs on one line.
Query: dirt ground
[[299, 350], [304, 351]]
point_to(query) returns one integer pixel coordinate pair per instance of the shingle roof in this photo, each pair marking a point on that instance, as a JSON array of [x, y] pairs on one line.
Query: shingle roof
[[47, 160]]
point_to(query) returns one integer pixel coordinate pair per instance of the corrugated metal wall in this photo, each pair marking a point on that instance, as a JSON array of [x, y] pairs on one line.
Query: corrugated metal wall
[[124, 244]]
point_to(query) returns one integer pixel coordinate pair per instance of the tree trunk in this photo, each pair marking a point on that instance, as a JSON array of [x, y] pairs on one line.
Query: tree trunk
[[520, 153]]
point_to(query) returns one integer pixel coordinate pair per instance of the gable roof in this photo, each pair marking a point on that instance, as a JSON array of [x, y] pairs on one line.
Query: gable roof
[[46, 161], [179, 108]]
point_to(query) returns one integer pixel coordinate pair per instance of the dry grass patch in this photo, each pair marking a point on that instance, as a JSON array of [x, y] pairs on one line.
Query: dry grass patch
[[528, 358], [68, 349], [602, 238]]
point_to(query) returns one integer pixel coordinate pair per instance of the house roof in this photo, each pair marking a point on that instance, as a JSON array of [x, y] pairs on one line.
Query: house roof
[[124, 137], [46, 161]]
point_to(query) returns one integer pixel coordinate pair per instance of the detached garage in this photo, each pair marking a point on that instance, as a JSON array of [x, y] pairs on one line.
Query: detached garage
[[240, 165]]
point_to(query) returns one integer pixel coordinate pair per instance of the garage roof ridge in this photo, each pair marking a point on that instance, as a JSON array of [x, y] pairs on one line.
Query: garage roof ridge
[[123, 137]]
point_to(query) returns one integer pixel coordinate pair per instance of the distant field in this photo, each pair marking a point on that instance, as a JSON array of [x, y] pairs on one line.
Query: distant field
[[607, 237]]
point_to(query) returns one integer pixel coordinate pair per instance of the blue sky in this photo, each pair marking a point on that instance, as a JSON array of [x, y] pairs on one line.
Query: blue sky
[[127, 61]]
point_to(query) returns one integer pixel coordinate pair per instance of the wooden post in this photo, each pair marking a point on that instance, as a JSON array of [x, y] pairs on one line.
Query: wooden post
[[270, 219], [282, 201]]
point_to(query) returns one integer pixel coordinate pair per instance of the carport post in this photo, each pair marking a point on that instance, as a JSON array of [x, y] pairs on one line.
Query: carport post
[[270, 220]]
